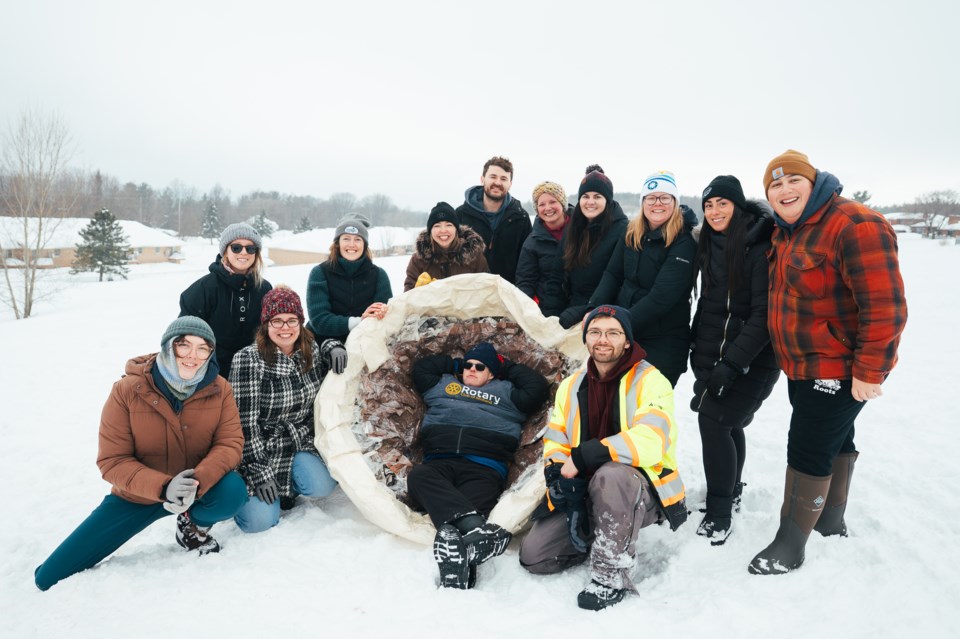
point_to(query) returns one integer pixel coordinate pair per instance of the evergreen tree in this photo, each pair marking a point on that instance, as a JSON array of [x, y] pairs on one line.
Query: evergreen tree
[[862, 196], [303, 225], [104, 247], [211, 226], [262, 225]]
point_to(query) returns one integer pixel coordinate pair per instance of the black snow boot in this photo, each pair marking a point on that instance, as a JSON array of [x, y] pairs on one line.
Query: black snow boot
[[484, 540], [193, 537], [450, 553], [717, 524], [597, 596], [287, 503], [737, 495], [831, 519], [803, 500]]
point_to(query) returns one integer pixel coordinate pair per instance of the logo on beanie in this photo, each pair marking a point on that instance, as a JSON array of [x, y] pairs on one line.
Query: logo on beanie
[[606, 310], [651, 185], [351, 229], [778, 173], [706, 191]]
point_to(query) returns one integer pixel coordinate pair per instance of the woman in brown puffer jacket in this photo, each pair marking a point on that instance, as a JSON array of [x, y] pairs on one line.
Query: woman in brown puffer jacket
[[446, 248], [170, 437]]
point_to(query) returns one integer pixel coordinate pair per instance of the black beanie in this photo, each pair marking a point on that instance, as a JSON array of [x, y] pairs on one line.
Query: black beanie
[[728, 187], [596, 180], [443, 212]]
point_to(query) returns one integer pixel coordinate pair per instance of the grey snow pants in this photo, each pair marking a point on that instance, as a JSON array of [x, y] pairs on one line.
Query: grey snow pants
[[621, 503]]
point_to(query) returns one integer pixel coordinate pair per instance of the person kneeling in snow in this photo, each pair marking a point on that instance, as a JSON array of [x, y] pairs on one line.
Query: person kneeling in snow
[[469, 434], [276, 381], [608, 469], [170, 438]]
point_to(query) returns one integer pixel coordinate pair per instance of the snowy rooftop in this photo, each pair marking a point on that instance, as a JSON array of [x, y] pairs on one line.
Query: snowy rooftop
[[319, 240], [66, 233]]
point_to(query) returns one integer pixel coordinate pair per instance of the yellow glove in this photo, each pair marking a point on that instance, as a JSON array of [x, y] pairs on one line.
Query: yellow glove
[[423, 280]]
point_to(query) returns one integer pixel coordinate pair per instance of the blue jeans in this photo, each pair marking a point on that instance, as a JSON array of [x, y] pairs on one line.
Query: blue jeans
[[310, 479], [115, 521]]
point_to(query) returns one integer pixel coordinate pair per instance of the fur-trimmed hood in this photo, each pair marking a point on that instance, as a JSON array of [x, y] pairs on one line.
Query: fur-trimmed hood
[[466, 248]]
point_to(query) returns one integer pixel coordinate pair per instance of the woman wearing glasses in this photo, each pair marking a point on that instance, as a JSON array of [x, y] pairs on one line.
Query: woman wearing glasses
[[170, 436], [348, 287], [597, 225], [276, 381], [651, 274], [732, 358], [476, 407], [228, 297]]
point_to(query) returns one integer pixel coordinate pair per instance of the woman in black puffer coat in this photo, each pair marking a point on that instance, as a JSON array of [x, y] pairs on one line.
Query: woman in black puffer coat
[[597, 226], [732, 358], [651, 274], [228, 298]]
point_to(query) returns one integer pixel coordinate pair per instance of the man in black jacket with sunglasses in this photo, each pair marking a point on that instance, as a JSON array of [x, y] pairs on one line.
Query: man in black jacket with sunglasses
[[476, 407]]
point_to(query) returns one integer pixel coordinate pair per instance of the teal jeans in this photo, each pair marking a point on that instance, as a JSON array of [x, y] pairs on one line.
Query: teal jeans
[[116, 521]]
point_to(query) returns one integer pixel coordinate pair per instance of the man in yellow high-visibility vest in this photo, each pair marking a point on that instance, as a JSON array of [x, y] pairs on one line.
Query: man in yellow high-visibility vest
[[610, 463]]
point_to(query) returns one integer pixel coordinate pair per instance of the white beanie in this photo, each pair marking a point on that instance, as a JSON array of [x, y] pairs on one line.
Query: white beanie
[[660, 182]]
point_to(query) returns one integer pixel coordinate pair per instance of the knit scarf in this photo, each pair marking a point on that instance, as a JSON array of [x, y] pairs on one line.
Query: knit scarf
[[167, 365], [602, 392]]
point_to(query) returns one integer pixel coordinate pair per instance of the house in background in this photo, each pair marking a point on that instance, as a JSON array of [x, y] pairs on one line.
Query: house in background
[[312, 247], [62, 236]]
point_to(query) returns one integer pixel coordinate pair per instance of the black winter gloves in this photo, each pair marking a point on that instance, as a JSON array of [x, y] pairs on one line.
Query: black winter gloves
[[569, 495], [722, 377]]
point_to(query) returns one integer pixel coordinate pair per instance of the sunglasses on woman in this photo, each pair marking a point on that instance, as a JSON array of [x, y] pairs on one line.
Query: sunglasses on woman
[[238, 248], [477, 365]]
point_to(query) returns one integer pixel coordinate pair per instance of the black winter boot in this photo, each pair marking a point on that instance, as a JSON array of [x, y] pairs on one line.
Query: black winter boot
[[484, 540], [717, 524], [597, 596], [803, 500], [450, 553], [737, 495], [194, 537], [831, 519]]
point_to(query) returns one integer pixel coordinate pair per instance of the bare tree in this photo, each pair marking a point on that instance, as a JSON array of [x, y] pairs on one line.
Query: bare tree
[[936, 208], [37, 192]]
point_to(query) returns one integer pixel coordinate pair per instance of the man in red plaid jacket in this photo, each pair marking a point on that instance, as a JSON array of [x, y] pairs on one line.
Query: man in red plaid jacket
[[836, 312]]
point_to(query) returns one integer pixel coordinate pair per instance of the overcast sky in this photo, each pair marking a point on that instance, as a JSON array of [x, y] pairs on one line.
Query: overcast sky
[[410, 98]]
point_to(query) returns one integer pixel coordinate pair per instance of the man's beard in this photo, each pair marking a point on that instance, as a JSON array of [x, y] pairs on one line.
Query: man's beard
[[496, 197]]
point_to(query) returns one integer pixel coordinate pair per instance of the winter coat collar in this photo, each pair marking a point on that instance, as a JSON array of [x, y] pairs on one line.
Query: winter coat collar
[[467, 248], [231, 280]]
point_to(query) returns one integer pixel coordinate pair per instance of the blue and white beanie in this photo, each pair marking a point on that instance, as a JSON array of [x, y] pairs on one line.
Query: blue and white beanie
[[660, 182]]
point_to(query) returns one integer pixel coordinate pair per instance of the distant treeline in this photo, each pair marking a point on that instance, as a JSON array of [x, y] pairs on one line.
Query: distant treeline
[[180, 207]]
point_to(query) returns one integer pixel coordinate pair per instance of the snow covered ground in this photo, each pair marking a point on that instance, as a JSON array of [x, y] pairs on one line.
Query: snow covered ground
[[325, 571]]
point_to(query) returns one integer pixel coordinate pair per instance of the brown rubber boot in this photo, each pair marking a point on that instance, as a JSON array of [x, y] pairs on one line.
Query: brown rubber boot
[[803, 499], [831, 519]]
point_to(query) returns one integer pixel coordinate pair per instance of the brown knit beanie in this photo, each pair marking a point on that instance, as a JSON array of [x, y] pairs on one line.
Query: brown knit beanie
[[789, 162]]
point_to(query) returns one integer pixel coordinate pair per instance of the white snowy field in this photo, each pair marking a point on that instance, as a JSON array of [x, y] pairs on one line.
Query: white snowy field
[[325, 571]]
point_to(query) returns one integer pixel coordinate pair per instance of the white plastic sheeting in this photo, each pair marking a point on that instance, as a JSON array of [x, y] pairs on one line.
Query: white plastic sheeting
[[344, 438]]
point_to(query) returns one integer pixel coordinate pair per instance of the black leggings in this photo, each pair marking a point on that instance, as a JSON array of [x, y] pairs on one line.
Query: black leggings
[[451, 487], [724, 453]]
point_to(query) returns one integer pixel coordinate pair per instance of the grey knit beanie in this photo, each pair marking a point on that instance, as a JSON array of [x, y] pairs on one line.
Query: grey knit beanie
[[188, 325], [239, 231], [355, 224]]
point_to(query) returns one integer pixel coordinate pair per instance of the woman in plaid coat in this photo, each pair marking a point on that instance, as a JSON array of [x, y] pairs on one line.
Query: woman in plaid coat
[[275, 382]]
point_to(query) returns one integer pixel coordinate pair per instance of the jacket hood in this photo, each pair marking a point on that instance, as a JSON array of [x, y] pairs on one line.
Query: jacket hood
[[470, 247], [138, 366], [473, 197], [824, 189], [760, 226], [690, 219]]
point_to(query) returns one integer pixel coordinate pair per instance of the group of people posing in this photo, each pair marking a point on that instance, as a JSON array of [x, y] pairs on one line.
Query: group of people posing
[[807, 282]]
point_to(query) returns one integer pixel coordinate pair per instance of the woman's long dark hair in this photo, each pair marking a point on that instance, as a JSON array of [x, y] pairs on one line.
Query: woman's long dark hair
[[579, 242], [735, 249]]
